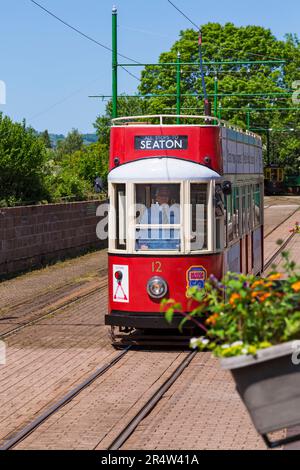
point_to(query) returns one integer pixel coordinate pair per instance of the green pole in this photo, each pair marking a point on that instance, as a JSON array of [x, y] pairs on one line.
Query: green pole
[[220, 111], [268, 147], [248, 117], [114, 63], [216, 96], [178, 89]]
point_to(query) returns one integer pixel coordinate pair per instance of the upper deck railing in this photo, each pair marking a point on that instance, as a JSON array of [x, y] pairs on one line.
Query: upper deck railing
[[131, 120]]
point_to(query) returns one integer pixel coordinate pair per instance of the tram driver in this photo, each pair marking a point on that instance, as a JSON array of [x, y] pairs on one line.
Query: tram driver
[[164, 211]]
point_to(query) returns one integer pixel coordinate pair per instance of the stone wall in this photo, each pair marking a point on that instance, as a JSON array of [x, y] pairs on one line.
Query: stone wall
[[33, 236]]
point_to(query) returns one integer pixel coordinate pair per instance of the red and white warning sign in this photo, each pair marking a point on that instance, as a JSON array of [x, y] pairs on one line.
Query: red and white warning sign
[[120, 283]]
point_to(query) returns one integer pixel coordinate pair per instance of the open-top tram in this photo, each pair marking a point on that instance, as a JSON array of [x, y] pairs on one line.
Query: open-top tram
[[186, 202]]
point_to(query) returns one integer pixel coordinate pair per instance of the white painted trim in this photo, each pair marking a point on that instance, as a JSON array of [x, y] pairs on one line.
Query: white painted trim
[[111, 218]]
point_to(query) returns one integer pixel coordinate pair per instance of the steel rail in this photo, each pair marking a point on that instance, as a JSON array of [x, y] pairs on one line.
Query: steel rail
[[281, 222], [151, 403], [31, 427], [275, 255]]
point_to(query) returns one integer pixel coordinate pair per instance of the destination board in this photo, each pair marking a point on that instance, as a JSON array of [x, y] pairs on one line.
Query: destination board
[[161, 142]]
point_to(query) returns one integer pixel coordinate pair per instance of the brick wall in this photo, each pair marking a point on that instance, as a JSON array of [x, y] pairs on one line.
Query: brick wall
[[35, 235]]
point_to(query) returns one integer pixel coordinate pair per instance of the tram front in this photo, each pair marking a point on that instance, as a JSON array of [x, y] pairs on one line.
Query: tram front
[[166, 224]]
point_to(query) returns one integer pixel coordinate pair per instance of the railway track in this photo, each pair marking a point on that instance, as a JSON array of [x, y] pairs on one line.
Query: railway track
[[128, 429], [275, 255], [281, 222], [63, 304], [31, 427]]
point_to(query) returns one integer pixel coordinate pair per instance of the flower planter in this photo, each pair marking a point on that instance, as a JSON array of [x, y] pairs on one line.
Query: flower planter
[[269, 385]]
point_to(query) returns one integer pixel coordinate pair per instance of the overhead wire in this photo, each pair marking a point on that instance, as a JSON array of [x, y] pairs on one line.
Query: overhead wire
[[183, 14], [86, 36], [206, 100]]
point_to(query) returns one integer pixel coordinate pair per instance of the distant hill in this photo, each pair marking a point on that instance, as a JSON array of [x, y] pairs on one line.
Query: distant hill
[[87, 138]]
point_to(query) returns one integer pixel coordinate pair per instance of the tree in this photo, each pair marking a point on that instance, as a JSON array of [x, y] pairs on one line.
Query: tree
[[46, 139], [23, 163], [231, 43], [70, 144], [89, 162], [224, 43]]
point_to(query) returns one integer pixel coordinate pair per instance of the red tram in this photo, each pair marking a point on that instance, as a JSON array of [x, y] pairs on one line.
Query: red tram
[[186, 201]]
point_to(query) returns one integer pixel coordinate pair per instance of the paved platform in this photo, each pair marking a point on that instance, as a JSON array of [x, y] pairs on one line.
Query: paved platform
[[202, 410]]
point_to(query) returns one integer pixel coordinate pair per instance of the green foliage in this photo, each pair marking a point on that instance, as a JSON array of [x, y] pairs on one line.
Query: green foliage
[[73, 175], [23, 164], [227, 43], [89, 162], [67, 184], [231, 43], [126, 107], [242, 313], [32, 172], [72, 143], [46, 139]]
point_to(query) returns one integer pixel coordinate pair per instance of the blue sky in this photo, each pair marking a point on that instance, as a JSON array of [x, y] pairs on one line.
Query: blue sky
[[50, 71]]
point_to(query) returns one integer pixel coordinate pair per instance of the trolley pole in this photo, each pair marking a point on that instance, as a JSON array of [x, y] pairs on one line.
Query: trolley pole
[[114, 63], [178, 88]]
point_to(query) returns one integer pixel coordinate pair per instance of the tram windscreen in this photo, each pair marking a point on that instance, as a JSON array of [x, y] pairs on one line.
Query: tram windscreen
[[158, 217], [199, 204]]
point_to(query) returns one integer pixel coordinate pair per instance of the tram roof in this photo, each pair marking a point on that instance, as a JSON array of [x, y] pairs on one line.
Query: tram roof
[[161, 169], [164, 120]]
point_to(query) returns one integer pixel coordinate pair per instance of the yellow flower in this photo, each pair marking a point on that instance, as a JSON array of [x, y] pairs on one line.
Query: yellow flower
[[269, 284], [275, 277], [233, 298], [296, 286]]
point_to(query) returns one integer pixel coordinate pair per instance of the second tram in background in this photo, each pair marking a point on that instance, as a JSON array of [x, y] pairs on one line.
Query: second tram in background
[[186, 202]]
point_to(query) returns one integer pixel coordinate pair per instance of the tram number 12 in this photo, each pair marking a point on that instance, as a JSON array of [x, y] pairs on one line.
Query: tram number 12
[[156, 267]]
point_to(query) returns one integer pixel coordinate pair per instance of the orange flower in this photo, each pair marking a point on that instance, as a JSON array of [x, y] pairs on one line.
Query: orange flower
[[233, 298], [296, 286], [212, 320], [257, 294], [275, 277], [264, 297], [257, 284]]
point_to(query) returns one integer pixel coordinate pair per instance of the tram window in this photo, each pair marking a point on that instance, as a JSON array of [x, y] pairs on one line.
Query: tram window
[[219, 213], [236, 199], [199, 208], [249, 210], [219, 244], [158, 217], [274, 174], [120, 198], [257, 205], [244, 215], [229, 218]]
